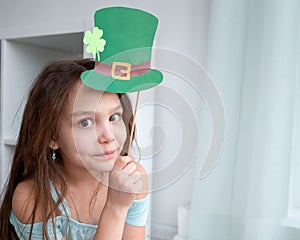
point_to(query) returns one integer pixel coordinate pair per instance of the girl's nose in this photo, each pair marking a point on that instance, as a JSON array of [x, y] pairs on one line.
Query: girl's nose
[[106, 134]]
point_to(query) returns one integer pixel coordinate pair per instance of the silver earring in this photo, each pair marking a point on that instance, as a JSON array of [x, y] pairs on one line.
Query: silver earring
[[53, 155]]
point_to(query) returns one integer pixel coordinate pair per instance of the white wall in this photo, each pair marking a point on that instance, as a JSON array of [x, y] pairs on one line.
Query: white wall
[[261, 185], [182, 28]]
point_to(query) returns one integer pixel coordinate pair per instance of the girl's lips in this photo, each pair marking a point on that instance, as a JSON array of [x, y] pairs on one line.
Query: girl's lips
[[108, 154]]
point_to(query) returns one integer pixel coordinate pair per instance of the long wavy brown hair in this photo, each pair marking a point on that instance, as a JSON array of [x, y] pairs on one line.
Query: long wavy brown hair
[[32, 157]]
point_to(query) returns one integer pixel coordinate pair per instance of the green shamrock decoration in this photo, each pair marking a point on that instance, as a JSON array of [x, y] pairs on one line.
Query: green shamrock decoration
[[95, 42]]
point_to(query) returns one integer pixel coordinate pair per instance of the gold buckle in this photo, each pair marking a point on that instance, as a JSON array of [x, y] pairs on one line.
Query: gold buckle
[[118, 70]]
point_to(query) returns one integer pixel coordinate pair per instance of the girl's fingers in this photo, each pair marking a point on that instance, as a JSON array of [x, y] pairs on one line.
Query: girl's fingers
[[135, 177], [130, 168], [124, 176], [121, 162], [137, 187]]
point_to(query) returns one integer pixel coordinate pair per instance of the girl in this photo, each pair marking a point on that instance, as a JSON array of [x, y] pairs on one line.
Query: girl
[[69, 179]]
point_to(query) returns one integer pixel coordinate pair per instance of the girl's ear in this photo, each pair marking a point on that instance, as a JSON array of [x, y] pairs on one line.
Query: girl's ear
[[53, 145]]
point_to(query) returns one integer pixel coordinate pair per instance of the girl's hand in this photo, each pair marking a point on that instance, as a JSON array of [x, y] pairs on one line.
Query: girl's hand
[[124, 183]]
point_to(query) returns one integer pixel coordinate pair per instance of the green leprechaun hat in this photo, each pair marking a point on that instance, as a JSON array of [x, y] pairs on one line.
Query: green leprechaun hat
[[122, 42]]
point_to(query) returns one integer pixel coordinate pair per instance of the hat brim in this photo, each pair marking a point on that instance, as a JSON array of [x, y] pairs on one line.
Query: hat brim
[[105, 83]]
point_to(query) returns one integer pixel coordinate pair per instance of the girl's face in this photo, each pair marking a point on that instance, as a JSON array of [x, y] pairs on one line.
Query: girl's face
[[92, 132]]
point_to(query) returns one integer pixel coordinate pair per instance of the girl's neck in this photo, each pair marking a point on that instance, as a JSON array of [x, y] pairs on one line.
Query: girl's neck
[[82, 178], [85, 194]]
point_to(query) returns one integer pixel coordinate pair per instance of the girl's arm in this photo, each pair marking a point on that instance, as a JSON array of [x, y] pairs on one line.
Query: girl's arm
[[111, 223], [138, 232], [134, 233], [125, 181]]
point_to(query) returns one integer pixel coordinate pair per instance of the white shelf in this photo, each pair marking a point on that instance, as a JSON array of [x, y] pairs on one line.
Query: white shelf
[[70, 42], [10, 142]]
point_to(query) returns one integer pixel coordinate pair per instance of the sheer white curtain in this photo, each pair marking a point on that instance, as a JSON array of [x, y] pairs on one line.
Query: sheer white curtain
[[253, 48]]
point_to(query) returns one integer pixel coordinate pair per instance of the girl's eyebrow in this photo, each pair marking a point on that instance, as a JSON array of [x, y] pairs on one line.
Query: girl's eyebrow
[[82, 113], [118, 108], [85, 113]]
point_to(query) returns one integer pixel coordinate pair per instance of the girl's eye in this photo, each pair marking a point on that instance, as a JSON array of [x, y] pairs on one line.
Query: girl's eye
[[85, 123], [115, 117]]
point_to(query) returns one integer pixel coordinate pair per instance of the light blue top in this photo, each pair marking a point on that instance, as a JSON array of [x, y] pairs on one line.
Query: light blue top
[[69, 228]]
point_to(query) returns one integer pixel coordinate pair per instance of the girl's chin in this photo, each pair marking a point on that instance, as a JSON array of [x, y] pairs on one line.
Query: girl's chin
[[98, 166], [105, 166], [101, 172]]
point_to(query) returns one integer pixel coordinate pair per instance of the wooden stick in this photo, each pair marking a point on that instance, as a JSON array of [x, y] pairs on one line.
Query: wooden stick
[[133, 121]]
